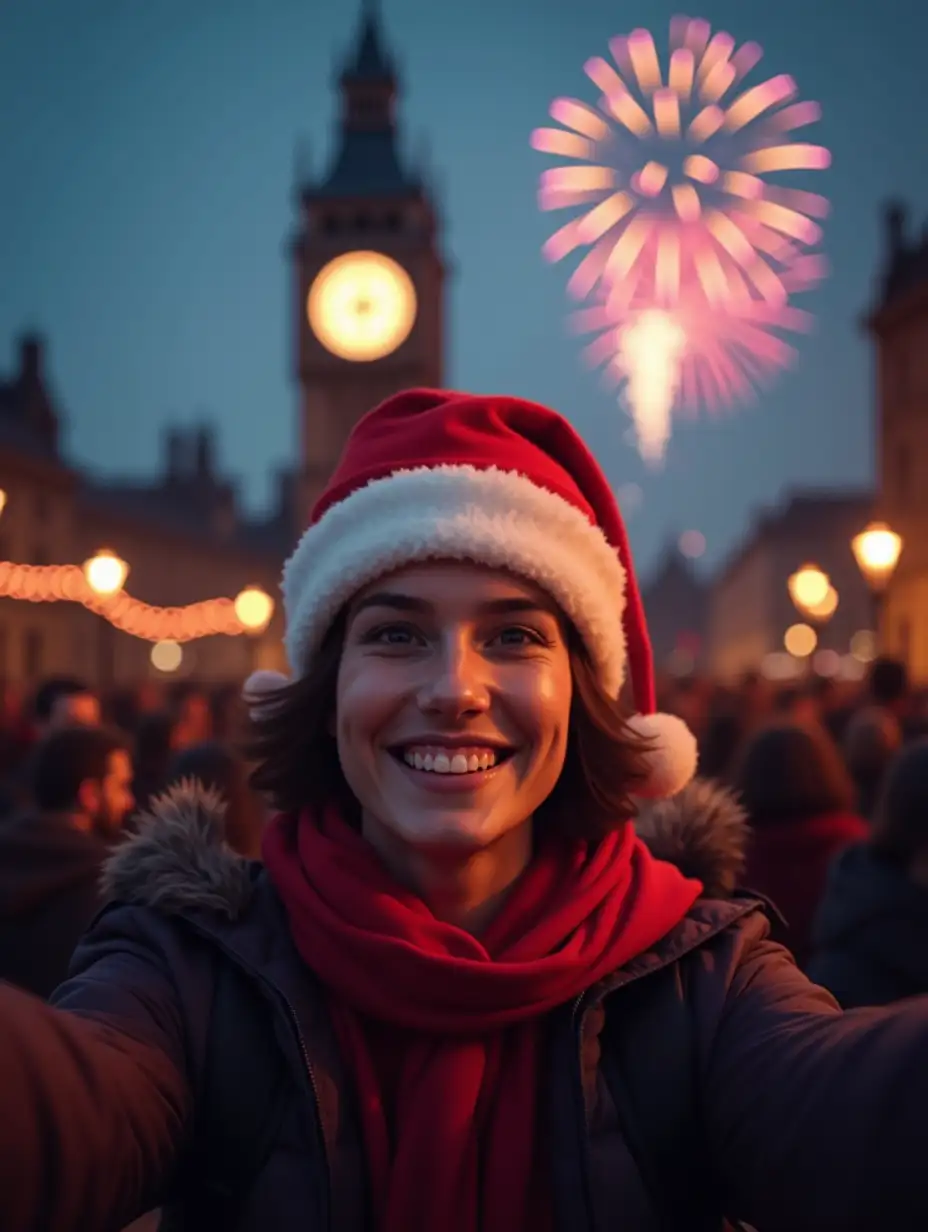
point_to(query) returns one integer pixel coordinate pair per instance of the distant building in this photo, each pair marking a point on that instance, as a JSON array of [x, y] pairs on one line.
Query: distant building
[[182, 533], [368, 320], [749, 605], [676, 604], [898, 324]]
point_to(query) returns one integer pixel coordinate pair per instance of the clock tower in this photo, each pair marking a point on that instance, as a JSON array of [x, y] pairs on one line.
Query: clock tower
[[368, 269]]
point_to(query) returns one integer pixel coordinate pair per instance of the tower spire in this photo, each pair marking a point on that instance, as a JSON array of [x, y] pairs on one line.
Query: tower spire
[[370, 61]]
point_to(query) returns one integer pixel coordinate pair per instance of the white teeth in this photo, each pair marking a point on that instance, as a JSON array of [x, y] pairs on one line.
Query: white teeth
[[457, 763]]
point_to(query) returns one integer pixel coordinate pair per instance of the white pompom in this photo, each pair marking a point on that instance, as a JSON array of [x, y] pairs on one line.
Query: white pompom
[[259, 687], [672, 758]]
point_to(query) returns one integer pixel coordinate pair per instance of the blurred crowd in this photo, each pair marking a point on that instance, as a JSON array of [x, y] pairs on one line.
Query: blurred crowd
[[77, 773], [833, 778], [834, 781]]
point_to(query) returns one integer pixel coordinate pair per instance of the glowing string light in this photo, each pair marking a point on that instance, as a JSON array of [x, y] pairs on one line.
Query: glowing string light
[[67, 583]]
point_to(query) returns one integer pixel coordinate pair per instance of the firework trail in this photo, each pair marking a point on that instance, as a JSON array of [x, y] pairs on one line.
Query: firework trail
[[669, 181]]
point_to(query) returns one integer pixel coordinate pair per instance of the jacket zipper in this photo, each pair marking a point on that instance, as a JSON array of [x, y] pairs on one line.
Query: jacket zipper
[[232, 956]]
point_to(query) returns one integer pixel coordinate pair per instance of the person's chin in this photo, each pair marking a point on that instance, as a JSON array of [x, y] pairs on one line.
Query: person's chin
[[463, 830]]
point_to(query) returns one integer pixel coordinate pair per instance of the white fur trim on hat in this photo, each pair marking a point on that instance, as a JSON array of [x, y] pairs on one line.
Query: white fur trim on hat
[[672, 757], [492, 517]]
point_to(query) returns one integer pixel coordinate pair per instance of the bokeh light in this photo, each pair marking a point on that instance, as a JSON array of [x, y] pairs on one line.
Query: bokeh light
[[800, 640], [864, 646], [254, 608], [692, 544], [167, 656]]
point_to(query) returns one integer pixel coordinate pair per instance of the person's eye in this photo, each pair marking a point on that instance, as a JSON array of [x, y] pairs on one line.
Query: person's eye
[[392, 635], [519, 635]]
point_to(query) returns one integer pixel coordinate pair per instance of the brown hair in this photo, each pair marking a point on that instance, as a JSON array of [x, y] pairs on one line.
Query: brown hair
[[296, 759], [787, 772], [900, 828]]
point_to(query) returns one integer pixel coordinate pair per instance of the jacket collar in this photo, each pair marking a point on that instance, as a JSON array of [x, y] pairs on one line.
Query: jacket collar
[[178, 861]]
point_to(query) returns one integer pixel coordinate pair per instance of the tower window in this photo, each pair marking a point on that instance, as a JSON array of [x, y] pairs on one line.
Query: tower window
[[331, 224], [362, 222], [392, 221]]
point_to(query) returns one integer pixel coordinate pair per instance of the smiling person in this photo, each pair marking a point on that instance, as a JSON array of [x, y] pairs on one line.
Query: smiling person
[[464, 991]]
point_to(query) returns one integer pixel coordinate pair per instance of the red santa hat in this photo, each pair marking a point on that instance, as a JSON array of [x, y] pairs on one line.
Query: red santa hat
[[431, 474]]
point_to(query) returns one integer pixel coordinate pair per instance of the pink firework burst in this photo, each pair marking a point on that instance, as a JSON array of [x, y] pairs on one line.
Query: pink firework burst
[[692, 354], [670, 173]]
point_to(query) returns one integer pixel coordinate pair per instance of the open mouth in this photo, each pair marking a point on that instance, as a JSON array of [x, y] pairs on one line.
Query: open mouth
[[435, 759]]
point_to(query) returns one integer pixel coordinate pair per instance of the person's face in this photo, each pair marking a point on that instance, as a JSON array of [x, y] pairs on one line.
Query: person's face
[[453, 704], [109, 801], [76, 709]]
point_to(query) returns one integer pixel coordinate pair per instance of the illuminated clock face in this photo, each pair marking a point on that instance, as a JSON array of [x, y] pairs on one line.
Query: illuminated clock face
[[362, 306]]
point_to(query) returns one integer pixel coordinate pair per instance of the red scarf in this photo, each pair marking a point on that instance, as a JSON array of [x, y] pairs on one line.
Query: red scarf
[[465, 1153]]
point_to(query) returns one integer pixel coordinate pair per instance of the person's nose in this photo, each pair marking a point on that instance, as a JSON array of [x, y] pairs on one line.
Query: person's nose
[[458, 682]]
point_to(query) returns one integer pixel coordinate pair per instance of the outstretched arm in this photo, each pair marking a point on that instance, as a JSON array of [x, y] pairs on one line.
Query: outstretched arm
[[817, 1119], [94, 1097]]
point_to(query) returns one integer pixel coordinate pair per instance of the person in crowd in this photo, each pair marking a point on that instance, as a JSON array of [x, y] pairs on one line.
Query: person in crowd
[[51, 857], [460, 992], [193, 718], [156, 742], [871, 934], [872, 738], [63, 701], [722, 737], [800, 804], [221, 770], [60, 701]]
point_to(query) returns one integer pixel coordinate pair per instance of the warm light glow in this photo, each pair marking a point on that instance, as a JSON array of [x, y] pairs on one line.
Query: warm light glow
[[362, 306], [808, 587], [779, 666], [650, 350], [864, 646], [826, 608], [254, 608], [827, 663], [800, 640], [692, 543], [106, 573], [877, 550], [2, 500], [69, 583], [167, 656]]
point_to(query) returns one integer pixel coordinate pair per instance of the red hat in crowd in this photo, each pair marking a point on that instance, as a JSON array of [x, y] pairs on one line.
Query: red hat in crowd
[[432, 474]]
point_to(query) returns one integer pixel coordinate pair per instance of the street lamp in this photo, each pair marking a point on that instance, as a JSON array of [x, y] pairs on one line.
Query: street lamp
[[877, 550], [105, 573], [254, 608], [808, 588]]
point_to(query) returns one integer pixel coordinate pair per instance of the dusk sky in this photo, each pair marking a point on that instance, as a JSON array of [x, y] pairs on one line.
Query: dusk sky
[[146, 154]]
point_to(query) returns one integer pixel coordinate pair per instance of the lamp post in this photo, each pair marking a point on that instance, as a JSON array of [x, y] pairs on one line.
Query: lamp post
[[105, 573], [877, 550]]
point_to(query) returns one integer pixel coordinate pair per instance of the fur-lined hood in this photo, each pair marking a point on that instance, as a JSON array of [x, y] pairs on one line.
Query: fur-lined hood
[[178, 860]]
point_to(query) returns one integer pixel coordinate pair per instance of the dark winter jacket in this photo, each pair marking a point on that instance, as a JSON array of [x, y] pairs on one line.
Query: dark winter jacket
[[49, 894], [808, 1120], [871, 935], [788, 862]]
